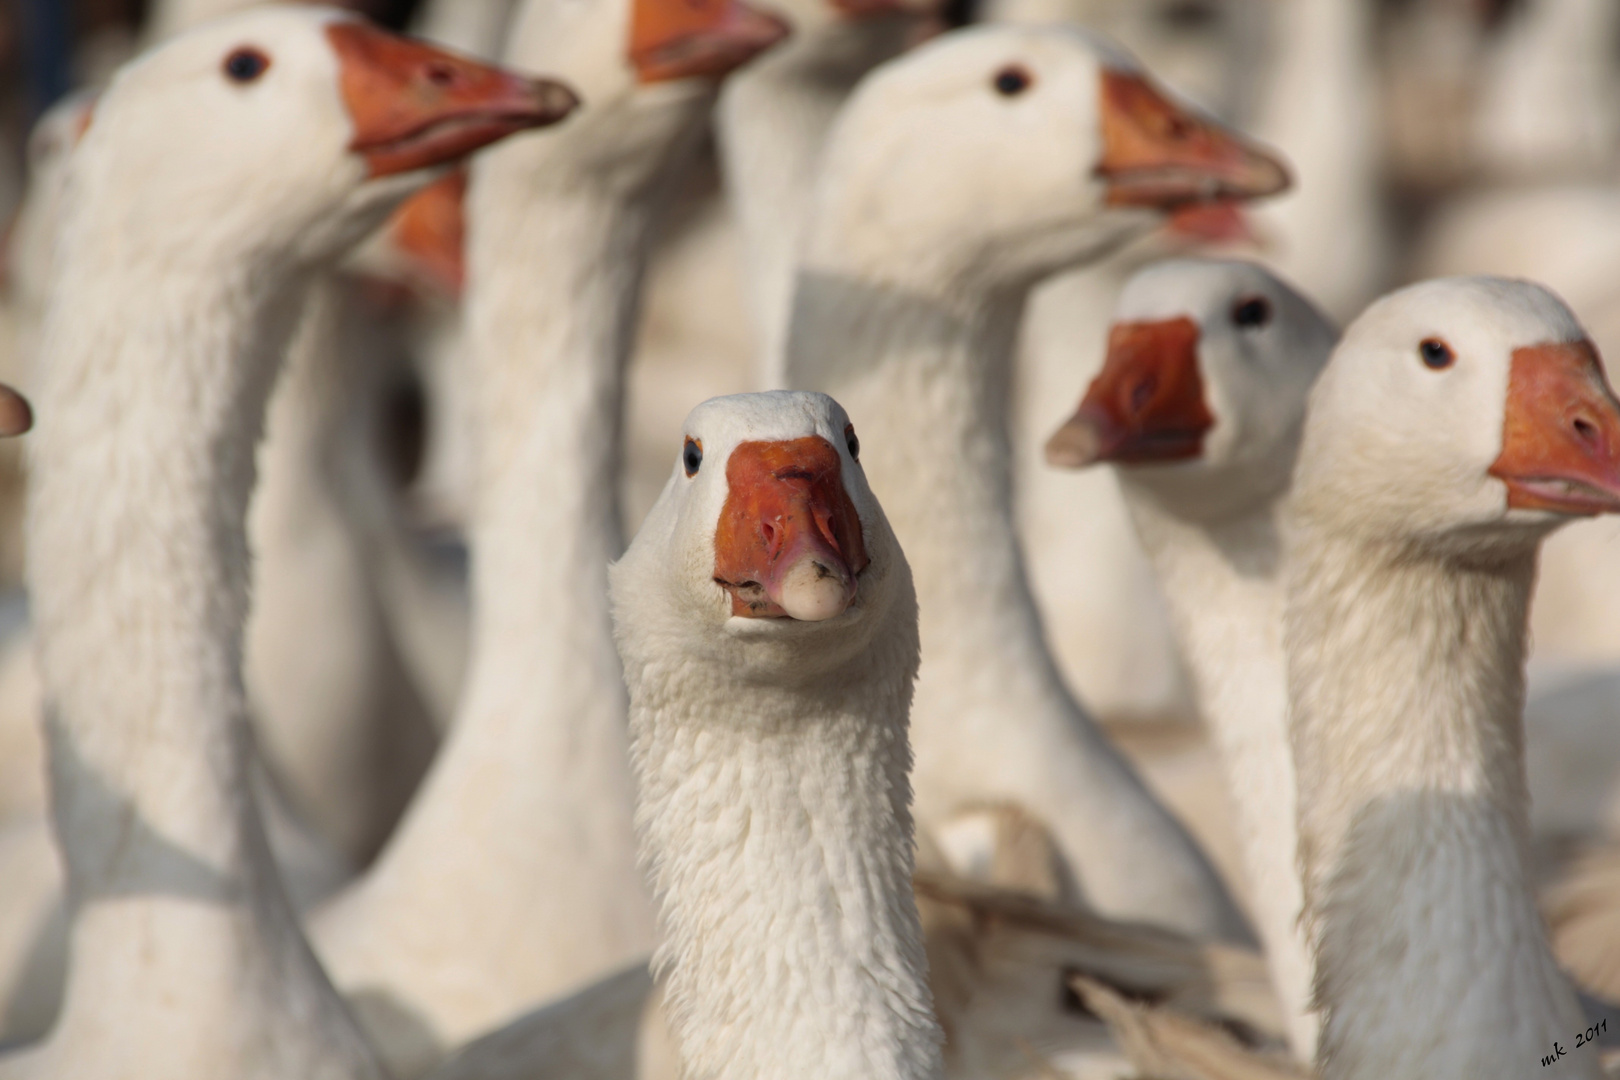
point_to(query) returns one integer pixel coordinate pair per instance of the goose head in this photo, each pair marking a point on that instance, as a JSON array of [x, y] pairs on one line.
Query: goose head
[[995, 155], [1209, 365], [767, 537], [1461, 412], [288, 131]]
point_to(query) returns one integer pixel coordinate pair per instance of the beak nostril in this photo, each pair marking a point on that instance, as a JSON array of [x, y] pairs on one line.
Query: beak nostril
[[1142, 393], [440, 74], [1587, 430]]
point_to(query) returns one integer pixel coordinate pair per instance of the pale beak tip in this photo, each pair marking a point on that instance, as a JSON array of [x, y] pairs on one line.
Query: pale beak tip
[[556, 99], [814, 592], [1075, 445]]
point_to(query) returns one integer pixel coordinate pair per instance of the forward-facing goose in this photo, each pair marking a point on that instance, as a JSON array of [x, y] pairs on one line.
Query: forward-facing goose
[[512, 878], [219, 172], [768, 627], [1458, 422], [955, 179], [1201, 403]]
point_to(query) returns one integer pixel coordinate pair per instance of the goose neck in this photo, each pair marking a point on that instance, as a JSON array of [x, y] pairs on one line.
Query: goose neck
[[775, 824], [152, 402], [1406, 687], [1221, 583]]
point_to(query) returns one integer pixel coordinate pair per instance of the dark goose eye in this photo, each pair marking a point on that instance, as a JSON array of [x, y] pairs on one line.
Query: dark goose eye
[[1252, 312], [692, 456], [246, 64], [1012, 80], [1436, 354], [852, 442]]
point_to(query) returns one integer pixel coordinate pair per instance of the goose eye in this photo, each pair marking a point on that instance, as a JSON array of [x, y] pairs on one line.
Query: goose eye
[[1436, 354], [1012, 80], [852, 442], [1251, 312], [1189, 16], [692, 456], [246, 64]]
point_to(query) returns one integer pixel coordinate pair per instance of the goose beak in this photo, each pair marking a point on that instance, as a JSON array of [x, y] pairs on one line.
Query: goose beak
[[414, 106], [1157, 153], [1560, 432], [789, 540], [683, 39], [429, 230], [1147, 404]]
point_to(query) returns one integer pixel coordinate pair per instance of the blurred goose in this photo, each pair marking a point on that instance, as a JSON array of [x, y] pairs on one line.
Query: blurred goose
[[1200, 404], [281, 137], [771, 122], [512, 878], [912, 282], [1458, 422]]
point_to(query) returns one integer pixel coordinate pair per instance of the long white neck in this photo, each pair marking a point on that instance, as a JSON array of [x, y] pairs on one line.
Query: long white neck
[[925, 379], [528, 807], [1406, 689], [775, 824], [186, 959], [772, 119], [1220, 579]]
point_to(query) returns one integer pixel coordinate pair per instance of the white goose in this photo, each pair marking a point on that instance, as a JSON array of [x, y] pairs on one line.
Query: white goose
[[771, 122], [1457, 424], [512, 878], [954, 181], [264, 146], [1201, 403], [768, 627]]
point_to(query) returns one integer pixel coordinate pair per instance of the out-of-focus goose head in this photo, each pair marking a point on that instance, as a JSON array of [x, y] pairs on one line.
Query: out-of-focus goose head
[[1209, 366], [1000, 154]]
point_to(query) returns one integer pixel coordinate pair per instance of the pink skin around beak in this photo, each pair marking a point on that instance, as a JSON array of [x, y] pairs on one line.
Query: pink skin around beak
[[1560, 432], [789, 541]]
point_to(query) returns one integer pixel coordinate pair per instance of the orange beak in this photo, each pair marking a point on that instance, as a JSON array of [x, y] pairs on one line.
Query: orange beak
[[414, 105], [1146, 405], [1560, 432], [430, 231], [789, 541], [1160, 154], [683, 39]]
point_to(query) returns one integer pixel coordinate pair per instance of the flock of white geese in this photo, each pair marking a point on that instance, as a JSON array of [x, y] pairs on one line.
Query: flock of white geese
[[792, 783]]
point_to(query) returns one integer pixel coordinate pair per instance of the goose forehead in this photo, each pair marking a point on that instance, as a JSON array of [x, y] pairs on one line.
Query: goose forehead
[[295, 31], [1195, 288], [1488, 317], [967, 55], [152, 90], [776, 415]]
